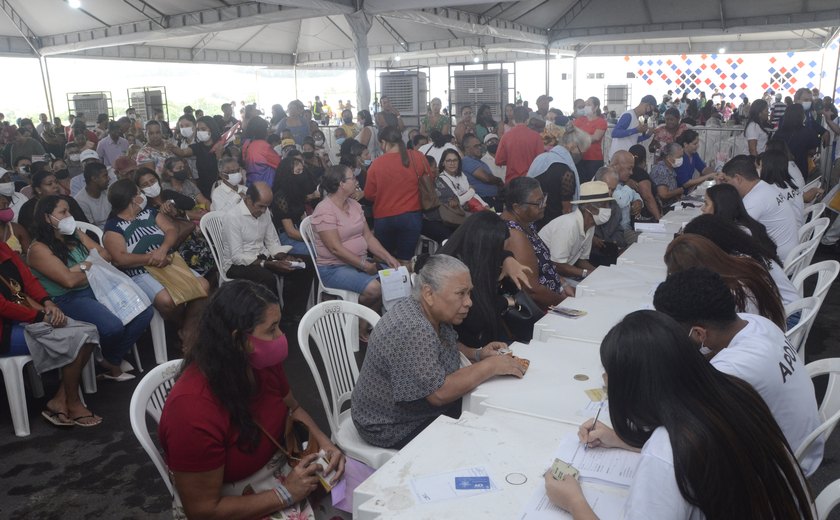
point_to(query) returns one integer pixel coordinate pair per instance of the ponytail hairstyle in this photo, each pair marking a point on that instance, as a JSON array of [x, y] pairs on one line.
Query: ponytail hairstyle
[[774, 169], [746, 278], [392, 135]]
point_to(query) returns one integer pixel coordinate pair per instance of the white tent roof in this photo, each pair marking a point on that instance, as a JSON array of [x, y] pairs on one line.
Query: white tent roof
[[316, 33]]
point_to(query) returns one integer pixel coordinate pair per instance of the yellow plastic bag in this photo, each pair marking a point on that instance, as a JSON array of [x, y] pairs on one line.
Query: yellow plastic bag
[[179, 280]]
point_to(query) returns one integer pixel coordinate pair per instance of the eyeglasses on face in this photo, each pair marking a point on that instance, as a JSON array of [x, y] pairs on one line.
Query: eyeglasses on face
[[540, 204]]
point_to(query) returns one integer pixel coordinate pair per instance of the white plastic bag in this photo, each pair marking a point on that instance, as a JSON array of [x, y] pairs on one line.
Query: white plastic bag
[[115, 290]]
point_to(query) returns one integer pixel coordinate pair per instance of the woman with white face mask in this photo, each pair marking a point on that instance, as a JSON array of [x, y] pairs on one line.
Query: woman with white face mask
[[204, 152], [663, 175], [593, 124], [43, 184], [57, 259]]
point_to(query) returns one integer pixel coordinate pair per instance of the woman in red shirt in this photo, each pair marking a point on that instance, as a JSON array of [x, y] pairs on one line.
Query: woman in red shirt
[[391, 185], [593, 123], [232, 395]]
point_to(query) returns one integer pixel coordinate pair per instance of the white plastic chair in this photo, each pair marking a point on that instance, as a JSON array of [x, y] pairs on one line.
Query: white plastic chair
[[333, 327], [157, 326], [815, 228], [829, 410], [814, 211], [149, 398], [799, 257], [828, 499], [798, 335], [12, 368], [826, 272], [212, 227], [308, 235]]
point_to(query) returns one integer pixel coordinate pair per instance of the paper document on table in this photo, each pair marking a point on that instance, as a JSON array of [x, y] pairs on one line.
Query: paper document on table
[[606, 503], [610, 465], [590, 410], [650, 227], [436, 488]]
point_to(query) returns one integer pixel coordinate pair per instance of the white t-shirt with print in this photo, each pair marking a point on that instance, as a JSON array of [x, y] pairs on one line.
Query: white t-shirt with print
[[761, 355], [767, 204], [654, 493]]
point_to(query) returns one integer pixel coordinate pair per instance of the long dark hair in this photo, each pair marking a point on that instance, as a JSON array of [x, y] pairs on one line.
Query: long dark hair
[[290, 190], [446, 153], [755, 109], [219, 351], [215, 134], [744, 276], [479, 243], [732, 239], [729, 206], [731, 459], [485, 117], [44, 232], [392, 135], [774, 169], [794, 118], [257, 129]]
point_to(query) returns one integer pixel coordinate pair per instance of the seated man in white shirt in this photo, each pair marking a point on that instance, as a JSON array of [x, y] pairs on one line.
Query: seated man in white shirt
[[764, 202], [569, 236], [229, 189], [93, 199], [746, 346], [255, 252], [77, 183], [491, 144]]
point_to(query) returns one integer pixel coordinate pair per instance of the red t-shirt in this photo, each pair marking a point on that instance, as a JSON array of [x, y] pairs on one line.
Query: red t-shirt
[[195, 429], [594, 152], [392, 187], [517, 150]]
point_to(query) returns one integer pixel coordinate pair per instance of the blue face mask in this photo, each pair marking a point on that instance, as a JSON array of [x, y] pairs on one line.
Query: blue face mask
[[367, 162], [339, 141]]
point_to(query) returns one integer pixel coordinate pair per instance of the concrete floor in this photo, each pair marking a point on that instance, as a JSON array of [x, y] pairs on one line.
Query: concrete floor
[[103, 472]]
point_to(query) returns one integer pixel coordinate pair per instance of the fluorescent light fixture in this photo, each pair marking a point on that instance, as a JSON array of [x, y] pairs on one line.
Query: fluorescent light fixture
[[397, 57], [722, 50], [75, 4]]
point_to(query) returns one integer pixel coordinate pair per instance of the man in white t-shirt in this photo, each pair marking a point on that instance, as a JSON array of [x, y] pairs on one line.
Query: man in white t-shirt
[[491, 144], [93, 198], [569, 236], [229, 190], [764, 202], [749, 347]]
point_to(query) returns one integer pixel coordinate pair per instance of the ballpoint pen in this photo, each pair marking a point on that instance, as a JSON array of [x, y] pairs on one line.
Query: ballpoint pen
[[597, 414]]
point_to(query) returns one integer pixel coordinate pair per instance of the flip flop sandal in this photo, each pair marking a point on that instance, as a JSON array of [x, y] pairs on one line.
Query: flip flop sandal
[[54, 418], [86, 425]]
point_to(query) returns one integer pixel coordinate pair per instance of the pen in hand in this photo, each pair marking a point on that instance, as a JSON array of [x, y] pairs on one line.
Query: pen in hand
[[597, 414]]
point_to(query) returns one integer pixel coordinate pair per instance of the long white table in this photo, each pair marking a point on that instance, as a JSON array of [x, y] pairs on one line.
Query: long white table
[[649, 253], [507, 445], [623, 281], [602, 312], [554, 386]]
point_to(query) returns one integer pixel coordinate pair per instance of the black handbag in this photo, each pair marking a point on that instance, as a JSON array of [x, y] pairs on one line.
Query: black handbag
[[521, 316]]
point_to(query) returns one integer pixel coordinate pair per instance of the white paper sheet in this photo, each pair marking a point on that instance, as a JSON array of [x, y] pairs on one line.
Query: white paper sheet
[[610, 465], [608, 504], [650, 227], [436, 488], [396, 284]]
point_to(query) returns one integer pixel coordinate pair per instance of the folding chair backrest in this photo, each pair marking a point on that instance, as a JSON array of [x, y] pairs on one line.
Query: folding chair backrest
[[826, 272], [798, 334], [814, 228], [212, 227]]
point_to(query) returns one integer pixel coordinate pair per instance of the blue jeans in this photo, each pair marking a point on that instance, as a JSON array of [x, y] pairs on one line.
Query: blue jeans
[[115, 339], [298, 247], [399, 234]]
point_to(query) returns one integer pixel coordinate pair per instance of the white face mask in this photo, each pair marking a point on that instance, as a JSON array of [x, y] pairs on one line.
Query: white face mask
[[581, 111], [234, 178], [602, 216], [66, 226], [319, 142], [203, 135], [187, 131], [588, 110], [74, 157], [152, 191], [704, 350], [806, 105], [678, 162]]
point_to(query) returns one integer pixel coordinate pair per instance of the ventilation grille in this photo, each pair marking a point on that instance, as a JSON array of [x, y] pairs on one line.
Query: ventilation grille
[[480, 87], [407, 91]]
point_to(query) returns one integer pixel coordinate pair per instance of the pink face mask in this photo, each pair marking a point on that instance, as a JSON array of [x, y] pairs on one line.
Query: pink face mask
[[6, 215], [268, 352]]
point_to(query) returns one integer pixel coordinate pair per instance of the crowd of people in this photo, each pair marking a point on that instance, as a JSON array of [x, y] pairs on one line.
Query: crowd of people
[[523, 208]]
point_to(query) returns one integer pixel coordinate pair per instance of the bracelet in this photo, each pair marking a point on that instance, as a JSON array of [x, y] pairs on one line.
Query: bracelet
[[283, 496], [478, 354]]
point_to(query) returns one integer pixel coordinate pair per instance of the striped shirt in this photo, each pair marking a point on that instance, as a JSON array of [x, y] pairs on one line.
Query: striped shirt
[[141, 235]]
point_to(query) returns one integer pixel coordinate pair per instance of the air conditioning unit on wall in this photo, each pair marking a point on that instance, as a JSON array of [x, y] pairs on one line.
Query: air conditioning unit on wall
[[91, 104], [408, 92], [481, 87]]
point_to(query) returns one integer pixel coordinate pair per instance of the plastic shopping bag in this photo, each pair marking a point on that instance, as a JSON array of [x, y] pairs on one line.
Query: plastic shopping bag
[[115, 290]]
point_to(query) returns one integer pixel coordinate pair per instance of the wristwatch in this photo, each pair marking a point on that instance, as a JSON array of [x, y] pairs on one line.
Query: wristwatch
[[83, 268], [585, 273]]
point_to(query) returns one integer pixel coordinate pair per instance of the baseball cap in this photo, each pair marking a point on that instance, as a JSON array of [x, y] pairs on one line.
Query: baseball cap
[[88, 154], [287, 142], [650, 100], [489, 137]]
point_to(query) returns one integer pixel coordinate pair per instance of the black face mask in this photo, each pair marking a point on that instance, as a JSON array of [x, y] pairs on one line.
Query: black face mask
[[61, 174], [492, 148], [180, 176], [308, 155]]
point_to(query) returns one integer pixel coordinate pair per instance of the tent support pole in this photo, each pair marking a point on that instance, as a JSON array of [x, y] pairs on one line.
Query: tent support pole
[[45, 79]]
